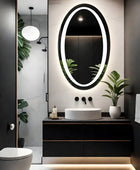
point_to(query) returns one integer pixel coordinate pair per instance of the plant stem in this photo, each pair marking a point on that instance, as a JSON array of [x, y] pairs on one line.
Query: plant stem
[[18, 128]]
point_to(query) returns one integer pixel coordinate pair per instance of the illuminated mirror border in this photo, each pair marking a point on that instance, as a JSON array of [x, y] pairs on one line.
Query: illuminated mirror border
[[106, 44]]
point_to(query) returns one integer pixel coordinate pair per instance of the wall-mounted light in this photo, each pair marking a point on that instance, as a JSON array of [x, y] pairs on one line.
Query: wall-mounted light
[[30, 32]]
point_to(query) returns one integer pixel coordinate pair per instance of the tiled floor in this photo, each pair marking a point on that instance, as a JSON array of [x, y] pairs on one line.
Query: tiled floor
[[37, 154], [82, 167]]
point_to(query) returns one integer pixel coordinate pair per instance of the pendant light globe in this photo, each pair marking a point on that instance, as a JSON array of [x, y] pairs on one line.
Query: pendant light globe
[[30, 32]]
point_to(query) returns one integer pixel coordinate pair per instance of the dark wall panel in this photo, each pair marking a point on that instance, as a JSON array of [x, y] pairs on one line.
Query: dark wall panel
[[132, 51], [135, 159], [132, 68], [7, 72]]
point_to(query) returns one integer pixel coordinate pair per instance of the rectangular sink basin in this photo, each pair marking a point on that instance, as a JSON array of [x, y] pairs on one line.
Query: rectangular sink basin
[[83, 113]]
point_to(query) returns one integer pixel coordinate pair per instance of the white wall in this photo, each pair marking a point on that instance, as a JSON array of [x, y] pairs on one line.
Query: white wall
[[32, 87], [61, 93]]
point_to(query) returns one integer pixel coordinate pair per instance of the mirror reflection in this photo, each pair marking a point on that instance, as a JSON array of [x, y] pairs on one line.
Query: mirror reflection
[[84, 45]]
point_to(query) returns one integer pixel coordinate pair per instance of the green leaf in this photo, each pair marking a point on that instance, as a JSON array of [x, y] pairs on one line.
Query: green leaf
[[23, 117], [115, 89], [115, 75], [119, 82], [20, 100], [20, 66], [95, 69], [19, 35], [72, 66], [27, 46], [20, 42], [109, 85], [108, 91], [120, 93], [22, 103], [23, 44], [113, 80], [105, 95], [122, 86]]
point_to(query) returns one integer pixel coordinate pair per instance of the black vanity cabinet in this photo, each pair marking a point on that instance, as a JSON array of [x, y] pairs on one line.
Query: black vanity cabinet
[[105, 137]]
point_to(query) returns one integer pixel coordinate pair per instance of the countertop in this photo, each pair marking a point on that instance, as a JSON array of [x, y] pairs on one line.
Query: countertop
[[101, 120]]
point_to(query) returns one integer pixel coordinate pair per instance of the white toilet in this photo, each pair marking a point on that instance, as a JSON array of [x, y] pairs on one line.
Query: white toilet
[[15, 159]]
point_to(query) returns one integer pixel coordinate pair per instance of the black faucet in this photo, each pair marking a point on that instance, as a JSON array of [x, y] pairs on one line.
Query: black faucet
[[84, 100]]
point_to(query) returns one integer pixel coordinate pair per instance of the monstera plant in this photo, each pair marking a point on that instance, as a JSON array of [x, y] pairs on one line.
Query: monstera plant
[[23, 44], [22, 116]]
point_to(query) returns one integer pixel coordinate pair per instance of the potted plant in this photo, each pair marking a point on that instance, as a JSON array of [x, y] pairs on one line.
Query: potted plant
[[114, 91], [22, 116]]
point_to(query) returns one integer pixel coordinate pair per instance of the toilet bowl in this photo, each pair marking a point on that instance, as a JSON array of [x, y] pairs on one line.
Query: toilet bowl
[[15, 159]]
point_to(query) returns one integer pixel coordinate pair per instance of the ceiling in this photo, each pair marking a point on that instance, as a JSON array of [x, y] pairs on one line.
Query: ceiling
[[40, 7]]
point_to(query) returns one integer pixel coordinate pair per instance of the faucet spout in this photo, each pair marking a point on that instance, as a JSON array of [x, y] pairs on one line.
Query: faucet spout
[[84, 100]]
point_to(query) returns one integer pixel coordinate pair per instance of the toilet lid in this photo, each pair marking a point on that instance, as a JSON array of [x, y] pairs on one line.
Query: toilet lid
[[14, 153]]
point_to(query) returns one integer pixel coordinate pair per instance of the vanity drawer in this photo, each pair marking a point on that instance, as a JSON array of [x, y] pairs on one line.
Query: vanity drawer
[[86, 148], [70, 149], [62, 131], [118, 131], [108, 131], [107, 148]]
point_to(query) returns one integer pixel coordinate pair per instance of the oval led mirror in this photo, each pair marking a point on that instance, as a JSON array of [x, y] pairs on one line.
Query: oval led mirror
[[84, 46]]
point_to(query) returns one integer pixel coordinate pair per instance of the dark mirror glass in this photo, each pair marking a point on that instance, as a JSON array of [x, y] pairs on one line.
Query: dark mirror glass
[[84, 46]]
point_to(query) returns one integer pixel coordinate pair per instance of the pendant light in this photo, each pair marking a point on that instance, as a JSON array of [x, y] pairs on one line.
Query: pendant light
[[30, 32]]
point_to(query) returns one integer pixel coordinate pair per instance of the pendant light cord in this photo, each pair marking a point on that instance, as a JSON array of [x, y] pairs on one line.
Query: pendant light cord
[[31, 8], [31, 17]]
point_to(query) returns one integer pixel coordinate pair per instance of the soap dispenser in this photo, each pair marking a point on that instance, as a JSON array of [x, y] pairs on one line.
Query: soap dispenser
[[54, 111]]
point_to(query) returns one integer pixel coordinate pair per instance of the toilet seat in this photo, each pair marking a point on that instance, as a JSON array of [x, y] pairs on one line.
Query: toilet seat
[[14, 153]]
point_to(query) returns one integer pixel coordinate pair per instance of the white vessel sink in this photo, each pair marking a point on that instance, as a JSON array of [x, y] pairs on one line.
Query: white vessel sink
[[83, 113]]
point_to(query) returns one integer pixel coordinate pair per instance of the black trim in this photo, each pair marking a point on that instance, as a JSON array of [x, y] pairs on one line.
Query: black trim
[[108, 41]]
